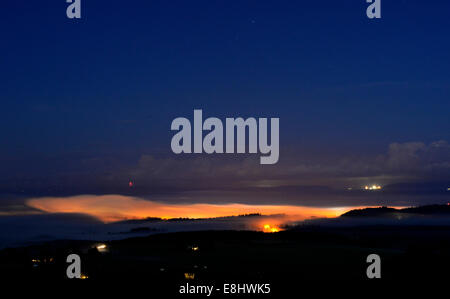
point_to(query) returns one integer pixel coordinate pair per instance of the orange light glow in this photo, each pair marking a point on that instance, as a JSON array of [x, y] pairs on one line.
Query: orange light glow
[[267, 228], [109, 208], [189, 275]]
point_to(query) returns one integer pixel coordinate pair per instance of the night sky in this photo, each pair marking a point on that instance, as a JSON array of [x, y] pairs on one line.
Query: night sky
[[86, 105]]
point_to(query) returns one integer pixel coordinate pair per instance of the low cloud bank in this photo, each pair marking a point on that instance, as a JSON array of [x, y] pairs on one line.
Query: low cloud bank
[[110, 208]]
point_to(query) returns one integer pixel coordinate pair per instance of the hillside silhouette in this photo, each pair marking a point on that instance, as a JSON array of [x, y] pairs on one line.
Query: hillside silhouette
[[428, 210]]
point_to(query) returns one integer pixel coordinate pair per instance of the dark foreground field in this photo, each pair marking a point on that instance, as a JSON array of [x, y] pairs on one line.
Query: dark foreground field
[[286, 259]]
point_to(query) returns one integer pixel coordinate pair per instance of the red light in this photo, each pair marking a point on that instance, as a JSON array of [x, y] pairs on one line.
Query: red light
[[130, 184]]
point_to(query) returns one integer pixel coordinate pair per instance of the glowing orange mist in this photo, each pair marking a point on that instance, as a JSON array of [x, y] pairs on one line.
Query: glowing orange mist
[[109, 208], [267, 228]]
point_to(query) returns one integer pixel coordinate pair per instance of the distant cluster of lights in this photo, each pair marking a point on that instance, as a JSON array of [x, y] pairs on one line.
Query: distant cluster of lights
[[36, 261], [102, 248], [373, 187]]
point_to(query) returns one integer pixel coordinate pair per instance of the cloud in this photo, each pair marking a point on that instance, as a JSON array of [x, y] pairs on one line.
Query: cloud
[[401, 162], [298, 177], [417, 157], [110, 208], [20, 230]]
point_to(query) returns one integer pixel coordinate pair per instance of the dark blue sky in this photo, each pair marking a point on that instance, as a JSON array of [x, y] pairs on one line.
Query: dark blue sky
[[97, 95]]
